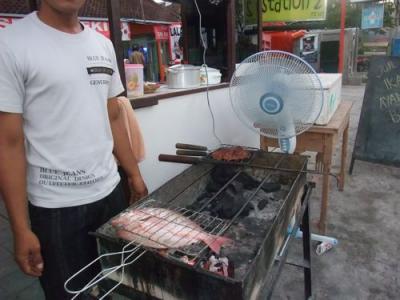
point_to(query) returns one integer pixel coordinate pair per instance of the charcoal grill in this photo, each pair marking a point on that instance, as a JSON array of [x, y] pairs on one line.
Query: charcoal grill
[[258, 233]]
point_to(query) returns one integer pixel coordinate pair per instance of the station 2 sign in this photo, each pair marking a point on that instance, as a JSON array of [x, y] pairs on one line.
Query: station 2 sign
[[285, 10]]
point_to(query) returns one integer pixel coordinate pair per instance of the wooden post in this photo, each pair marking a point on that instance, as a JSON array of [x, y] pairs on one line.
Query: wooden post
[[231, 44], [327, 161], [32, 5], [185, 33], [343, 159], [259, 25], [114, 20]]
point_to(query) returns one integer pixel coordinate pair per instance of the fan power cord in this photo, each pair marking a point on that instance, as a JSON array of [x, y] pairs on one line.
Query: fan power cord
[[205, 67]]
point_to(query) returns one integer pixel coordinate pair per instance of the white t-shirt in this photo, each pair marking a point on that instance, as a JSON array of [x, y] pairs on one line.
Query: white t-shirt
[[60, 83]]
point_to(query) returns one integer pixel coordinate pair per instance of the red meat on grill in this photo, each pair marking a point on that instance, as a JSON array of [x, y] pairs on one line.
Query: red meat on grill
[[231, 154]]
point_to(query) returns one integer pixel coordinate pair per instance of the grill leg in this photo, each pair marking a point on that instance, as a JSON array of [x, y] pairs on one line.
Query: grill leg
[[305, 227]]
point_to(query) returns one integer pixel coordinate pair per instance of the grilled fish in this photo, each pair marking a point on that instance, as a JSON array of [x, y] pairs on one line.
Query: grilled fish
[[162, 228]]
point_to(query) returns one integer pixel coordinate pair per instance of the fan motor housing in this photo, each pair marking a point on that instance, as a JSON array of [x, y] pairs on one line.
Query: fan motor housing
[[271, 103]]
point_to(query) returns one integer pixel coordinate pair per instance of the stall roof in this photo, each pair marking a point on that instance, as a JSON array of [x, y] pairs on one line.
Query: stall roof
[[130, 9]]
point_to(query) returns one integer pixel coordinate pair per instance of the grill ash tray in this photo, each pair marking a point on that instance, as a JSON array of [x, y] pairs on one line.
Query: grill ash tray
[[251, 206]]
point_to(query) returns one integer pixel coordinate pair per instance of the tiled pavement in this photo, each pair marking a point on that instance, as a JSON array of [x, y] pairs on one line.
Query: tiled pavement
[[15, 285]]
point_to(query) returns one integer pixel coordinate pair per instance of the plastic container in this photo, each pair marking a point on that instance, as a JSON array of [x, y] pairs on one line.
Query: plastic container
[[332, 85], [214, 76], [396, 47], [134, 80]]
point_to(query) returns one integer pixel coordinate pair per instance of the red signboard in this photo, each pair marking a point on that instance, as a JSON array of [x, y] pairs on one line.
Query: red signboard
[[161, 32]]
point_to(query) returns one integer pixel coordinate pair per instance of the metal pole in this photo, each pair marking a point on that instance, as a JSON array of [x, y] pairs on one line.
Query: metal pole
[[114, 20], [259, 25], [341, 42], [305, 227], [230, 33]]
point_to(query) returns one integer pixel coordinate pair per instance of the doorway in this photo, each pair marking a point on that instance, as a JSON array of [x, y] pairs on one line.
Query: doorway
[[329, 59]]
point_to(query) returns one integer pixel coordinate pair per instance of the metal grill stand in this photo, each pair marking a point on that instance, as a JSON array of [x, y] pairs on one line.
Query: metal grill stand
[[282, 259], [302, 222], [258, 235]]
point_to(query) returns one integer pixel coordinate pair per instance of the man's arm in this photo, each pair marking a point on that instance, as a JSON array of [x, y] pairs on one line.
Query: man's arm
[[13, 191], [123, 151]]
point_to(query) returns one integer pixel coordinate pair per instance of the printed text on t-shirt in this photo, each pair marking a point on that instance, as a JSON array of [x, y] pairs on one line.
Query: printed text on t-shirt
[[53, 177]]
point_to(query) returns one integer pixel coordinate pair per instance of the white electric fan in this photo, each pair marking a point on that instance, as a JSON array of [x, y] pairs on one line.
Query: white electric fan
[[278, 95]]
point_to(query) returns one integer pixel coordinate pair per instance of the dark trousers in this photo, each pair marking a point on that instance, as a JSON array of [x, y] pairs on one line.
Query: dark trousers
[[65, 243]]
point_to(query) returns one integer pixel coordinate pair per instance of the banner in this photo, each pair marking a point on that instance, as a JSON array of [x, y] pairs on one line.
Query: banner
[[100, 26], [309, 43], [175, 31], [6, 21], [372, 16], [309, 48], [103, 28], [285, 10]]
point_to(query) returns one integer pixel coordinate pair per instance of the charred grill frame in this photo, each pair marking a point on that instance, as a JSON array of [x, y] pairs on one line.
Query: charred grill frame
[[157, 277]]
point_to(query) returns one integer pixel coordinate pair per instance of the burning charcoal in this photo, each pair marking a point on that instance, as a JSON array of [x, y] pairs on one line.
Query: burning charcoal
[[246, 210], [219, 265], [222, 174], [272, 198], [188, 261], [284, 179], [213, 187], [232, 188], [225, 264], [228, 206], [230, 211], [215, 207], [231, 269], [248, 181], [270, 187], [262, 203], [204, 195], [200, 201]]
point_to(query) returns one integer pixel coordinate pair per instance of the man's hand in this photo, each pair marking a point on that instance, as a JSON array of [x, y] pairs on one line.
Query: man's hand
[[13, 190], [138, 189], [27, 253]]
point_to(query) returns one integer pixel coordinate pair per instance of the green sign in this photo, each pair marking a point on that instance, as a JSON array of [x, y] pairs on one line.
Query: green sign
[[286, 10]]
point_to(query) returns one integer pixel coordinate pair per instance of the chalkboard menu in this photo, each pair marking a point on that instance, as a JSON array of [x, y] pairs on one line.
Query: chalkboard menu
[[378, 135]]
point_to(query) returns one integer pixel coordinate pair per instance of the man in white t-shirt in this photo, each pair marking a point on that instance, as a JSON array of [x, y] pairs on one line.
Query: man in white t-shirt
[[59, 127]]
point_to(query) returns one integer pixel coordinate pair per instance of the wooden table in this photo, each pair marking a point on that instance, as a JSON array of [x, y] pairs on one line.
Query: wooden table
[[323, 139]]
